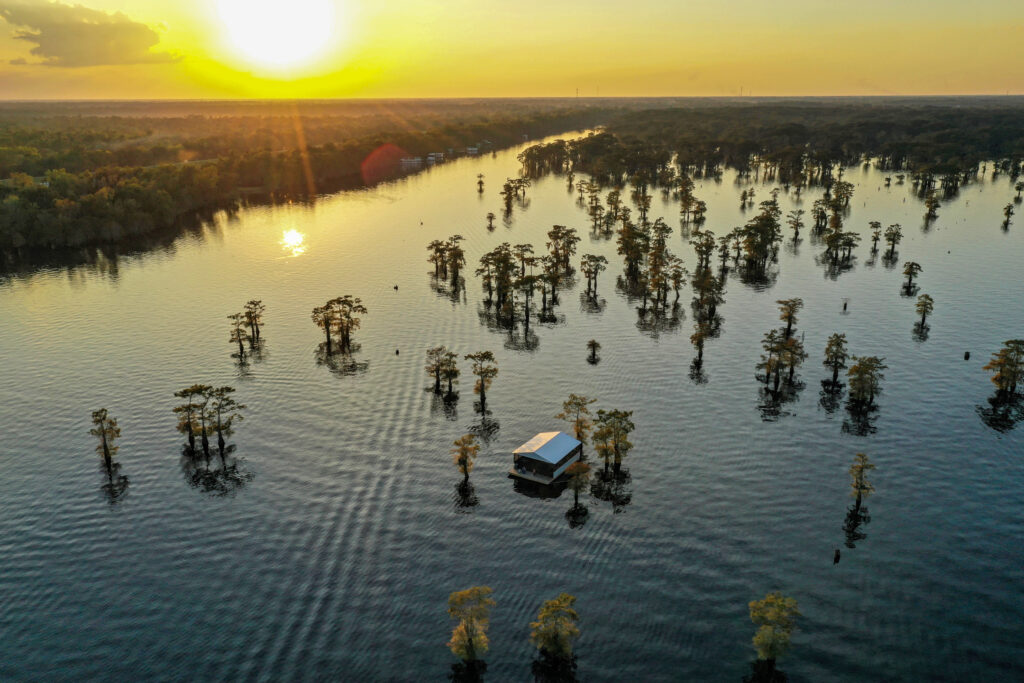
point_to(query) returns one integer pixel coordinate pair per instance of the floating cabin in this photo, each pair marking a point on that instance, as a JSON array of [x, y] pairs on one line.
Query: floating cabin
[[545, 457]]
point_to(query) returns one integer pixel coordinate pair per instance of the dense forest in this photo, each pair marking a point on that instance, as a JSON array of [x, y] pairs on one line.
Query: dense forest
[[71, 180], [942, 141], [83, 174]]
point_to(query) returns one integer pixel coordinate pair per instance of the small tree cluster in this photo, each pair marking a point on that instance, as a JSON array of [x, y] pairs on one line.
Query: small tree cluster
[[339, 317]]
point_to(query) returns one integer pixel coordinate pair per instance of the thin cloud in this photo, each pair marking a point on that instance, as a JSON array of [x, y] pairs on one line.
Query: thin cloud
[[77, 36]]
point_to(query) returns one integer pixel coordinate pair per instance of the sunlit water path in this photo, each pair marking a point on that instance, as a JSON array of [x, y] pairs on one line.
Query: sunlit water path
[[336, 559]]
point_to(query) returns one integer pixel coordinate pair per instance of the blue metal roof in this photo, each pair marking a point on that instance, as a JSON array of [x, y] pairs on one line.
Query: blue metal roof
[[549, 447]]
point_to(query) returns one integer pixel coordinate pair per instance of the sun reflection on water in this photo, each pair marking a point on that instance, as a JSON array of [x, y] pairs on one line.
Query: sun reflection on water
[[293, 241]]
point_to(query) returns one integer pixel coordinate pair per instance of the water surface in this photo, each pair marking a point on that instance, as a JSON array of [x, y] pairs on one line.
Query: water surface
[[336, 559]]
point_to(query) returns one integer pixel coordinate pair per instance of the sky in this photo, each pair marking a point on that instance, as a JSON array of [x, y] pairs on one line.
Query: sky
[[185, 49]]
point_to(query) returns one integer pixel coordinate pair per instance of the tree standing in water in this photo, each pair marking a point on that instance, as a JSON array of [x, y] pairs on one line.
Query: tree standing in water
[[450, 372], [865, 379], [472, 609], [225, 411], [324, 318], [579, 480], [893, 236], [925, 305], [835, 355], [254, 310], [861, 487], [187, 411], [435, 365], [576, 409], [464, 454], [1007, 215], [911, 269], [553, 634], [788, 308], [1007, 368], [348, 309], [775, 616], [593, 346], [876, 234], [108, 432], [490, 220], [238, 332], [485, 371], [611, 436]]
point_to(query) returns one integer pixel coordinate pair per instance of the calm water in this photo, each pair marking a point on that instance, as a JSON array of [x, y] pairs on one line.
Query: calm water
[[336, 559]]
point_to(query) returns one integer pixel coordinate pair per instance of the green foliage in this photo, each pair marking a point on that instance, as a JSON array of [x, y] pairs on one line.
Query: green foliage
[[775, 616], [576, 409], [464, 453], [865, 378], [107, 431], [1007, 367], [484, 369], [861, 487], [555, 629], [611, 433], [472, 609]]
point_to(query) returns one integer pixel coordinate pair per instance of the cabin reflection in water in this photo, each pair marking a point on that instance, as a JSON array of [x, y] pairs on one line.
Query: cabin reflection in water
[[532, 489], [544, 458]]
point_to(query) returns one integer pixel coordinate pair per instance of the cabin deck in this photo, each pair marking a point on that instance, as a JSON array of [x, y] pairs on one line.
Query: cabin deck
[[530, 476]]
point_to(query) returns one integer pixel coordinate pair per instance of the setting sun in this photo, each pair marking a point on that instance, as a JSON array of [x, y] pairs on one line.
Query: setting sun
[[275, 35]]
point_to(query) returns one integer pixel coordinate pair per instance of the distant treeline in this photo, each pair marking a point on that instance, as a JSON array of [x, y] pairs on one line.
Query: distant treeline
[[799, 141], [82, 181]]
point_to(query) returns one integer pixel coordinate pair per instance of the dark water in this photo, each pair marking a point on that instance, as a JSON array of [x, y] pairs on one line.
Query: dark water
[[335, 560]]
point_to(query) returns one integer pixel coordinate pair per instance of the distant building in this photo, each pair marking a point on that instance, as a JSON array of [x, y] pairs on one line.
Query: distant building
[[545, 457], [411, 162], [472, 151]]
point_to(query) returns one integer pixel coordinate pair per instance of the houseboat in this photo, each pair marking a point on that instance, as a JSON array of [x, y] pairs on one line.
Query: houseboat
[[545, 457]]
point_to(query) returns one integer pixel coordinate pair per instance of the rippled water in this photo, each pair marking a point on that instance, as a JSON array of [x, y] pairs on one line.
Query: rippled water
[[336, 559]]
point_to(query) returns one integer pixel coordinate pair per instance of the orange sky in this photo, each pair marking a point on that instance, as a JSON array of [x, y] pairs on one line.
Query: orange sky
[[452, 48]]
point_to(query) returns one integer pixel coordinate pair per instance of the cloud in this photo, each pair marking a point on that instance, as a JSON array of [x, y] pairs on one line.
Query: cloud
[[76, 36]]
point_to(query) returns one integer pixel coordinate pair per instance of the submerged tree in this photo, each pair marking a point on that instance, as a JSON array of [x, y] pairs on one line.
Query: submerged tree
[[911, 269], [579, 480], [471, 608], [107, 431], [835, 355], [187, 411], [775, 616], [924, 306], [893, 236], [348, 309], [485, 371], [576, 409], [1007, 368], [435, 365], [450, 372], [254, 310], [593, 346], [464, 454], [611, 436], [1007, 215], [865, 380], [788, 308], [225, 411], [857, 515], [861, 487], [238, 332], [553, 634]]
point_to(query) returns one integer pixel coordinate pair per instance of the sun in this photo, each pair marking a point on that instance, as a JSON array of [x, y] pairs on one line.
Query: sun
[[278, 35]]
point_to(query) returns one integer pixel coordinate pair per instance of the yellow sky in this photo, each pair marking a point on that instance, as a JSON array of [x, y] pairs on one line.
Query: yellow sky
[[454, 48]]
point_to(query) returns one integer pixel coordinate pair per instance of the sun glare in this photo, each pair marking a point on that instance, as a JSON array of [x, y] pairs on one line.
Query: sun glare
[[278, 35], [293, 241]]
